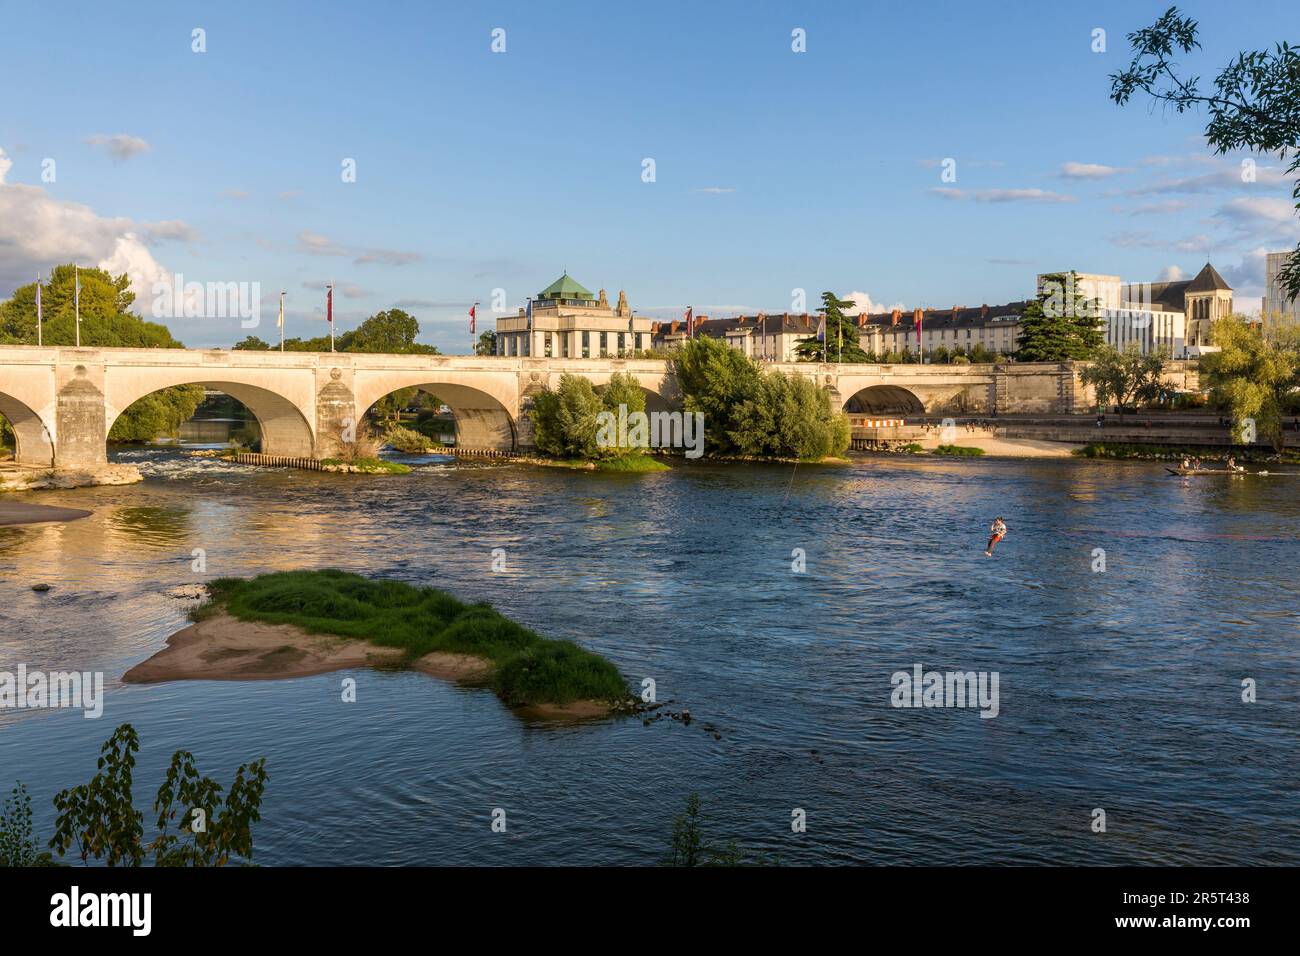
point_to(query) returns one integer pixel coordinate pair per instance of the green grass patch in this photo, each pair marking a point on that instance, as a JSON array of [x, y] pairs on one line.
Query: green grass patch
[[527, 668], [959, 451], [631, 463], [370, 466], [1123, 450]]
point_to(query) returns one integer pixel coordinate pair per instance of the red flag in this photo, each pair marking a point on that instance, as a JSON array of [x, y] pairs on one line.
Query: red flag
[[473, 319], [329, 304], [690, 323]]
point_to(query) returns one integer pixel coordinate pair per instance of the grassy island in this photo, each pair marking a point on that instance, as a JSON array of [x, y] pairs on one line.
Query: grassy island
[[366, 466], [424, 628]]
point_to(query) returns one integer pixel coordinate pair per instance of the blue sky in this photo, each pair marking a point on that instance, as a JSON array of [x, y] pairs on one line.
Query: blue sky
[[477, 171]]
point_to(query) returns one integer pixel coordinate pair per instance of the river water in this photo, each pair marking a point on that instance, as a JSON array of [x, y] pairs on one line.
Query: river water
[[1118, 689]]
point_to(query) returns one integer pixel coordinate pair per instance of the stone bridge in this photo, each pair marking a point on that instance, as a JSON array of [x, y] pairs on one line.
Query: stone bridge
[[63, 401]]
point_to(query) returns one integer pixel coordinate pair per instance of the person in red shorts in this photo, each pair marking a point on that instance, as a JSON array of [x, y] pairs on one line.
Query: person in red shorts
[[997, 531]]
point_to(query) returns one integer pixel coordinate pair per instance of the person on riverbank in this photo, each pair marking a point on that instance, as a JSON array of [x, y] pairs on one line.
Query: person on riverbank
[[997, 531]]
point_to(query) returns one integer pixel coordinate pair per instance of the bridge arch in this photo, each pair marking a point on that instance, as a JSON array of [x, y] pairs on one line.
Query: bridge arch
[[33, 443], [884, 400], [285, 429], [484, 412]]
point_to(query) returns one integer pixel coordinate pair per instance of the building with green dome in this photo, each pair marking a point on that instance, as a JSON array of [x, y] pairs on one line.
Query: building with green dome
[[568, 321]]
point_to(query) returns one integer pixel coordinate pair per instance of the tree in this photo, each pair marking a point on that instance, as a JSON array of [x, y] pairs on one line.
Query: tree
[[1254, 375], [252, 344], [788, 417], [1255, 104], [715, 379], [392, 332], [1126, 377], [99, 818], [1060, 324], [486, 344], [755, 413], [841, 344], [564, 420]]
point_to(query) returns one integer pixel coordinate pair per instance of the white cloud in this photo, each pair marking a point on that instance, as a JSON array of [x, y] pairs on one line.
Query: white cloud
[[716, 190], [169, 230], [119, 145], [1090, 171], [38, 232], [863, 303], [1001, 195], [1258, 210], [1171, 274], [1226, 176], [313, 243]]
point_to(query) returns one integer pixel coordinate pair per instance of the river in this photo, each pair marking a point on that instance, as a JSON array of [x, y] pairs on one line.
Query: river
[[1119, 689]]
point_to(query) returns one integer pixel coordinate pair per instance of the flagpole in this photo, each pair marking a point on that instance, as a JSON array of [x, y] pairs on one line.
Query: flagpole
[[281, 321], [39, 340], [76, 299], [329, 314]]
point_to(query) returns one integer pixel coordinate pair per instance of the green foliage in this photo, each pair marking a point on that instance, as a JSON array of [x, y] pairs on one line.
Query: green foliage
[[158, 413], [959, 451], [486, 344], [1126, 377], [750, 412], [842, 344], [105, 317], [687, 846], [564, 420], [788, 417], [367, 466], [99, 817], [101, 820], [17, 838], [219, 836], [527, 668], [623, 396], [1255, 104], [6, 434], [1254, 374], [408, 440], [252, 344], [1061, 324], [716, 379]]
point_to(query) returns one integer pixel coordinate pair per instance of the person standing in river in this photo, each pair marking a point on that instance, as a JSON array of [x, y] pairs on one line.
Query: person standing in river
[[997, 531]]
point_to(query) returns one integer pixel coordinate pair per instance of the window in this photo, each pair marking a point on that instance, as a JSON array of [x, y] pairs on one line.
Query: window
[[604, 344], [586, 345], [622, 347], [548, 343]]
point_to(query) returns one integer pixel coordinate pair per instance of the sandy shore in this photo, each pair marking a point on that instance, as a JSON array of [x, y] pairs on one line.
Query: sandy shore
[[1004, 447], [21, 512], [1020, 447], [222, 647]]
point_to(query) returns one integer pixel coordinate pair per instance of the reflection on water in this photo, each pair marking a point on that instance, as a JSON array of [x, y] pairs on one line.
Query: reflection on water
[[1119, 689]]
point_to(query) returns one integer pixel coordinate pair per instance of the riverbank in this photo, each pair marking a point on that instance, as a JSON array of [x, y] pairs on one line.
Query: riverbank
[[19, 478], [298, 623]]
